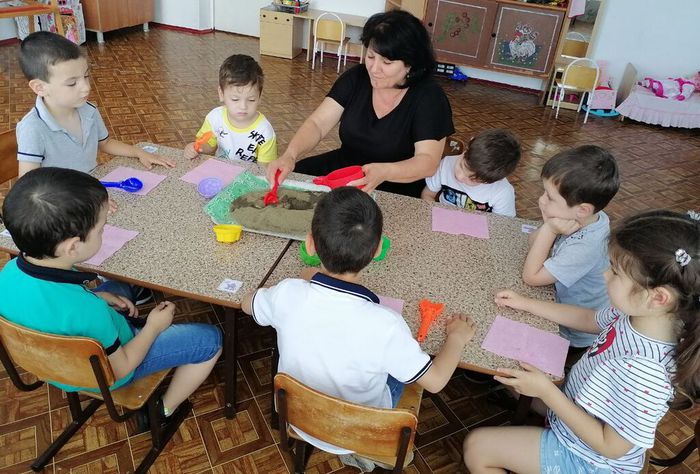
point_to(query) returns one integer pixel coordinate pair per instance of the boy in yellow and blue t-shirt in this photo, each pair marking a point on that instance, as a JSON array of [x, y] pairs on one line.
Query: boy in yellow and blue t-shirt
[[238, 132]]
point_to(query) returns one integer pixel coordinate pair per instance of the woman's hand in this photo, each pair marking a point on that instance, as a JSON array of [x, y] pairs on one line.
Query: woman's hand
[[285, 164], [375, 174], [530, 381]]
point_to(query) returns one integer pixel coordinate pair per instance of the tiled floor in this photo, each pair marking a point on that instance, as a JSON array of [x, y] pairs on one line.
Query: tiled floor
[[158, 87]]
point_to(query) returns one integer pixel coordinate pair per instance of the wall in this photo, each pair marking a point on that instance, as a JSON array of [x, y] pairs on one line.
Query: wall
[[8, 28], [192, 14], [658, 40]]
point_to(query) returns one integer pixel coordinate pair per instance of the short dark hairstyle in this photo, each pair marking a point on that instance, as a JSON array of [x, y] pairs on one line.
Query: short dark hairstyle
[[42, 49], [492, 155], [241, 70], [347, 229], [585, 174], [398, 35], [49, 205]]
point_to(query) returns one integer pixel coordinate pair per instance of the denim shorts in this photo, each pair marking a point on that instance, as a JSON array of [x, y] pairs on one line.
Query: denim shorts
[[555, 458], [395, 389], [180, 344]]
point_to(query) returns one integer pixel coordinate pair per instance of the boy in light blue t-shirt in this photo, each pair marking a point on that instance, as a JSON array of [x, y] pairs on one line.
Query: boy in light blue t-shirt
[[570, 250]]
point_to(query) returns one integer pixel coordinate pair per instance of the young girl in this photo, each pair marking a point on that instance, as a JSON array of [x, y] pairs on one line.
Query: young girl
[[606, 416]]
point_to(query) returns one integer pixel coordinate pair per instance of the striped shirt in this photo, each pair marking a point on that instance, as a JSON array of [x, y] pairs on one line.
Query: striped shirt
[[624, 380]]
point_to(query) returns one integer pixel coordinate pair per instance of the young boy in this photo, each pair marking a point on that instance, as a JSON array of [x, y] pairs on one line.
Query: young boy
[[64, 129], [476, 179], [238, 132], [56, 217], [331, 331], [570, 249]]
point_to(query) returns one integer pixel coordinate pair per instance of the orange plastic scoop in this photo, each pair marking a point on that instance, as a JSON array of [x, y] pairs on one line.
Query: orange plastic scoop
[[428, 312], [271, 196], [206, 136]]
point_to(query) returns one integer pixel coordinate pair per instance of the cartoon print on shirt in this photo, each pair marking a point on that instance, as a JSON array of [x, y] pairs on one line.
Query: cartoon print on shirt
[[463, 200], [604, 340]]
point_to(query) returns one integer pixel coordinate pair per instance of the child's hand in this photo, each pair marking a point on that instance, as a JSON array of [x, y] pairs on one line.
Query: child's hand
[[119, 303], [461, 326], [112, 206], [161, 316], [530, 381], [150, 159], [511, 299], [189, 152], [562, 226]]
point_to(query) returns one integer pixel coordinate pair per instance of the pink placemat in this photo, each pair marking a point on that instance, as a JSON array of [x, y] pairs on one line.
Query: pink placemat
[[391, 303], [212, 168], [113, 239], [521, 342], [458, 222], [149, 180]]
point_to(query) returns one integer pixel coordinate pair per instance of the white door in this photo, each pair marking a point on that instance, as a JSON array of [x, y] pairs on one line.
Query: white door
[[239, 16]]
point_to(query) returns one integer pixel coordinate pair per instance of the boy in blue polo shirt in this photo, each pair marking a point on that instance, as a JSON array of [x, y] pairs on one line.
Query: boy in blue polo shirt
[[64, 129], [56, 218], [333, 334]]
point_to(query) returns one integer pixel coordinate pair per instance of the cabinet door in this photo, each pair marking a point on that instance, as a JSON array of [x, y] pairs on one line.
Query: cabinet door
[[461, 29], [525, 39]]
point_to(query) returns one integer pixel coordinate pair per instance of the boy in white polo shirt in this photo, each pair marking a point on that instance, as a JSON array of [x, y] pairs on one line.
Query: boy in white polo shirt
[[332, 333]]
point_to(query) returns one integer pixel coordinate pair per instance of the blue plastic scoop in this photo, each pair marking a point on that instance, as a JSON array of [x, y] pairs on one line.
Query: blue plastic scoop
[[130, 185]]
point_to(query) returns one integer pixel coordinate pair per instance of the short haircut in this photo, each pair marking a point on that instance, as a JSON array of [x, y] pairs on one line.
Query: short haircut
[[492, 155], [347, 229], [585, 174], [42, 49], [49, 205], [398, 35], [241, 70]]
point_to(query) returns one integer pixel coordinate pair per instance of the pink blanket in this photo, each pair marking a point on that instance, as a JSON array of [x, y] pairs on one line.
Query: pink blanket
[[642, 105]]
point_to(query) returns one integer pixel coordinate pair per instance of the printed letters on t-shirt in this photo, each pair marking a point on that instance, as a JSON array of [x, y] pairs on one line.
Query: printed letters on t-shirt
[[462, 199]]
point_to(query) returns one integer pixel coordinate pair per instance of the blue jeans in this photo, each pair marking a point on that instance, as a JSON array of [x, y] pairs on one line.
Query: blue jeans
[[118, 288], [396, 389]]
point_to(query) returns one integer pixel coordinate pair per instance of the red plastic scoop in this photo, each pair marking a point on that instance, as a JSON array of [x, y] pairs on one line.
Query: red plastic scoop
[[271, 196], [340, 177]]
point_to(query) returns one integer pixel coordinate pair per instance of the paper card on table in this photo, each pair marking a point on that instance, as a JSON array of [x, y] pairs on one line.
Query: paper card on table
[[113, 239], [528, 229], [230, 286], [521, 342], [149, 180], [391, 303], [458, 222], [212, 168]]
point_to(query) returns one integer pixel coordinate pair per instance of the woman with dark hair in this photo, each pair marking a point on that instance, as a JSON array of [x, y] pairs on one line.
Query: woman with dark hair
[[394, 118]]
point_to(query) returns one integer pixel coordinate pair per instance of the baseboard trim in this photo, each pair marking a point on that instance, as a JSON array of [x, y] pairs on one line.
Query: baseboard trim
[[181, 29]]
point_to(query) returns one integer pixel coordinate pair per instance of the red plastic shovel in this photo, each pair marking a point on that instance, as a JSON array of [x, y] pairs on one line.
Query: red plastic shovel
[[271, 196]]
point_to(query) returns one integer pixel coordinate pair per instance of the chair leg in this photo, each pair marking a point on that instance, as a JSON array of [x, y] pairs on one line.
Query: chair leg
[[313, 56], [80, 416], [403, 450], [302, 453], [274, 416], [161, 435], [339, 53], [14, 375], [323, 47], [560, 95]]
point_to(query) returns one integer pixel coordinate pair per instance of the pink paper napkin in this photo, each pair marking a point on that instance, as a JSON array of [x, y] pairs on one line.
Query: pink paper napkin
[[391, 303], [521, 342], [458, 222], [113, 239], [150, 180], [212, 168]]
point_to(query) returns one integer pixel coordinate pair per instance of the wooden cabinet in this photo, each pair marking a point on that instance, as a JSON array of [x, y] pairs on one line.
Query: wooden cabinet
[[512, 37], [280, 33], [108, 15], [414, 7]]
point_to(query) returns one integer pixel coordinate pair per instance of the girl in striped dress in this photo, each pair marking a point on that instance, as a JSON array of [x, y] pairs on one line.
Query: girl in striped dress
[[645, 357]]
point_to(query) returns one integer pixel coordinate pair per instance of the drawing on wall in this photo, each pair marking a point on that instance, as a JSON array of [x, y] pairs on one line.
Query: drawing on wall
[[521, 49]]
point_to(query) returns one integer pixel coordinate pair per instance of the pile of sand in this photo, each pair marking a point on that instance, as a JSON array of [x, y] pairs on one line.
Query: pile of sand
[[291, 216]]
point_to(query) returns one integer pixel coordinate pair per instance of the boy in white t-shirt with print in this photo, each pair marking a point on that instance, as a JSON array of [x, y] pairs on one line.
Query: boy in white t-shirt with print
[[236, 130], [332, 333], [476, 179]]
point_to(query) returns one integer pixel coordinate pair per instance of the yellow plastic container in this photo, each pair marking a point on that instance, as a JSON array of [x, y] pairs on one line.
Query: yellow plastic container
[[228, 233]]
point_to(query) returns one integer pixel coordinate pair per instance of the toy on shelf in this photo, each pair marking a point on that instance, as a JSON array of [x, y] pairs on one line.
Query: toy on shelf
[[206, 136], [429, 311], [678, 88]]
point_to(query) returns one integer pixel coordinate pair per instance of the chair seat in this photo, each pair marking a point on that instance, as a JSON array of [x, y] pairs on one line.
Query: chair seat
[[136, 393]]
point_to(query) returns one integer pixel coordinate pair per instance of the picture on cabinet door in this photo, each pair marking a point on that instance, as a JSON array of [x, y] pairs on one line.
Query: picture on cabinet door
[[457, 26], [521, 49]]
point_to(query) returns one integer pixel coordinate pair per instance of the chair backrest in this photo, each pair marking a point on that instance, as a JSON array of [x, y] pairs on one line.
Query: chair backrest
[[574, 48], [365, 430], [329, 27], [582, 74], [61, 359], [9, 166], [575, 35]]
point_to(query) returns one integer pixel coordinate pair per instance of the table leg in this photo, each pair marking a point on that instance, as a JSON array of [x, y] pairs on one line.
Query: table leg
[[274, 416], [230, 358], [309, 40], [521, 410]]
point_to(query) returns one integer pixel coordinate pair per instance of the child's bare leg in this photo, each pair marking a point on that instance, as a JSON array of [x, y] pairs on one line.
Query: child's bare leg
[[497, 449], [186, 379]]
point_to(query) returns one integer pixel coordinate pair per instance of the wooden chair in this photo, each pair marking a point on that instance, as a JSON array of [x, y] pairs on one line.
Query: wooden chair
[[81, 361], [330, 30], [9, 166], [574, 48], [30, 9], [577, 78], [383, 435], [683, 454]]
